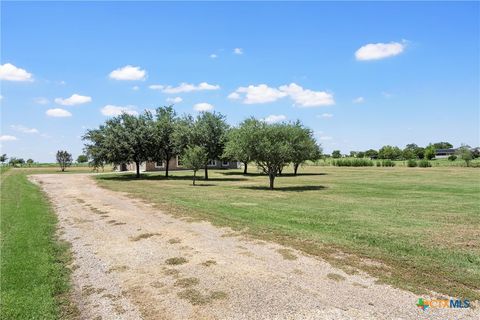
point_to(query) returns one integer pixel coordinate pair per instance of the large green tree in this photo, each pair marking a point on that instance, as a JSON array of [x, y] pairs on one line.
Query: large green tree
[[122, 139], [442, 145], [272, 149], [164, 126], [210, 133], [390, 152], [304, 146], [240, 141]]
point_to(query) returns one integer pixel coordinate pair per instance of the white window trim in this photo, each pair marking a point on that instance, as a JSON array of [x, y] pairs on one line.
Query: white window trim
[[178, 165], [212, 165], [162, 166], [225, 163]]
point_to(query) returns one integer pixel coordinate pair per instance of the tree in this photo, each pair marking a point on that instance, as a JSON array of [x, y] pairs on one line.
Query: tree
[[194, 158], [16, 161], [389, 152], [272, 149], [420, 152], [3, 158], [442, 145], [164, 127], [336, 154], [360, 154], [64, 159], [465, 154], [372, 154], [303, 145], [240, 141], [429, 153], [125, 138], [353, 154], [30, 162], [82, 158], [210, 133], [97, 150], [410, 151]]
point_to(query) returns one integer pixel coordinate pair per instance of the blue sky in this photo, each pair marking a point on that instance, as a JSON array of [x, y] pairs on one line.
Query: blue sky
[[361, 75]]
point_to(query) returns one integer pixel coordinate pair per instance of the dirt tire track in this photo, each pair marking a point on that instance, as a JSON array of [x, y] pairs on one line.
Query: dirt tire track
[[121, 270]]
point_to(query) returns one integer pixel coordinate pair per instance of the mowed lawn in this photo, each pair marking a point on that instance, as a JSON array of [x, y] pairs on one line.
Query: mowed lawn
[[415, 228], [34, 279]]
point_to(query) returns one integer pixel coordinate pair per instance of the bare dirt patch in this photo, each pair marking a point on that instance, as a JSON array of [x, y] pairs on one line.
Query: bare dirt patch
[[117, 278]]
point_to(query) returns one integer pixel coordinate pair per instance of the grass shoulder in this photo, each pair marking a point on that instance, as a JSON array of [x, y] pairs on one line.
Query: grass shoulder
[[35, 279]]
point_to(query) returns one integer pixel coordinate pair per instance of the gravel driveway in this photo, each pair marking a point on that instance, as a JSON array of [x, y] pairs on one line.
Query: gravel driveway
[[132, 261]]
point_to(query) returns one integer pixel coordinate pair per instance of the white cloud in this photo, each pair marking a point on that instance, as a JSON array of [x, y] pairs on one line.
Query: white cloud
[[234, 96], [238, 51], [75, 99], [359, 100], [325, 115], [203, 107], [10, 72], [135, 88], [184, 87], [175, 100], [128, 73], [375, 51], [58, 113], [41, 100], [264, 94], [20, 128], [273, 118], [7, 138], [307, 98], [257, 94], [213, 56], [111, 110]]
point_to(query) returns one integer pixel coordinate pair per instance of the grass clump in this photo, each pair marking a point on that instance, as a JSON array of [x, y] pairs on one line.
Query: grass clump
[[186, 282], [176, 261], [287, 254], [411, 163], [424, 164], [209, 263], [195, 297], [336, 277], [143, 236]]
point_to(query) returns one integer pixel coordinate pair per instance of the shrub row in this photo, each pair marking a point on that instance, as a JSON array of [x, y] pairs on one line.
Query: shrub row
[[386, 163], [352, 163], [422, 163]]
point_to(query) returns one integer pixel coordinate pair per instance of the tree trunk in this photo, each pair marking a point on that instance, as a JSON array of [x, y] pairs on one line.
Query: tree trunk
[[206, 172], [280, 171], [63, 169], [272, 179], [194, 176], [138, 168], [295, 168], [245, 167], [166, 167]]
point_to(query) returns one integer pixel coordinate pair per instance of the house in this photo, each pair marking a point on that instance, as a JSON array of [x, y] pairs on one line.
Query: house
[[176, 164], [444, 153]]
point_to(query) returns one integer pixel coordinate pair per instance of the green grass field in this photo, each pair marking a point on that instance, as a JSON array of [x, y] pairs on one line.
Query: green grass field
[[34, 277], [418, 229]]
